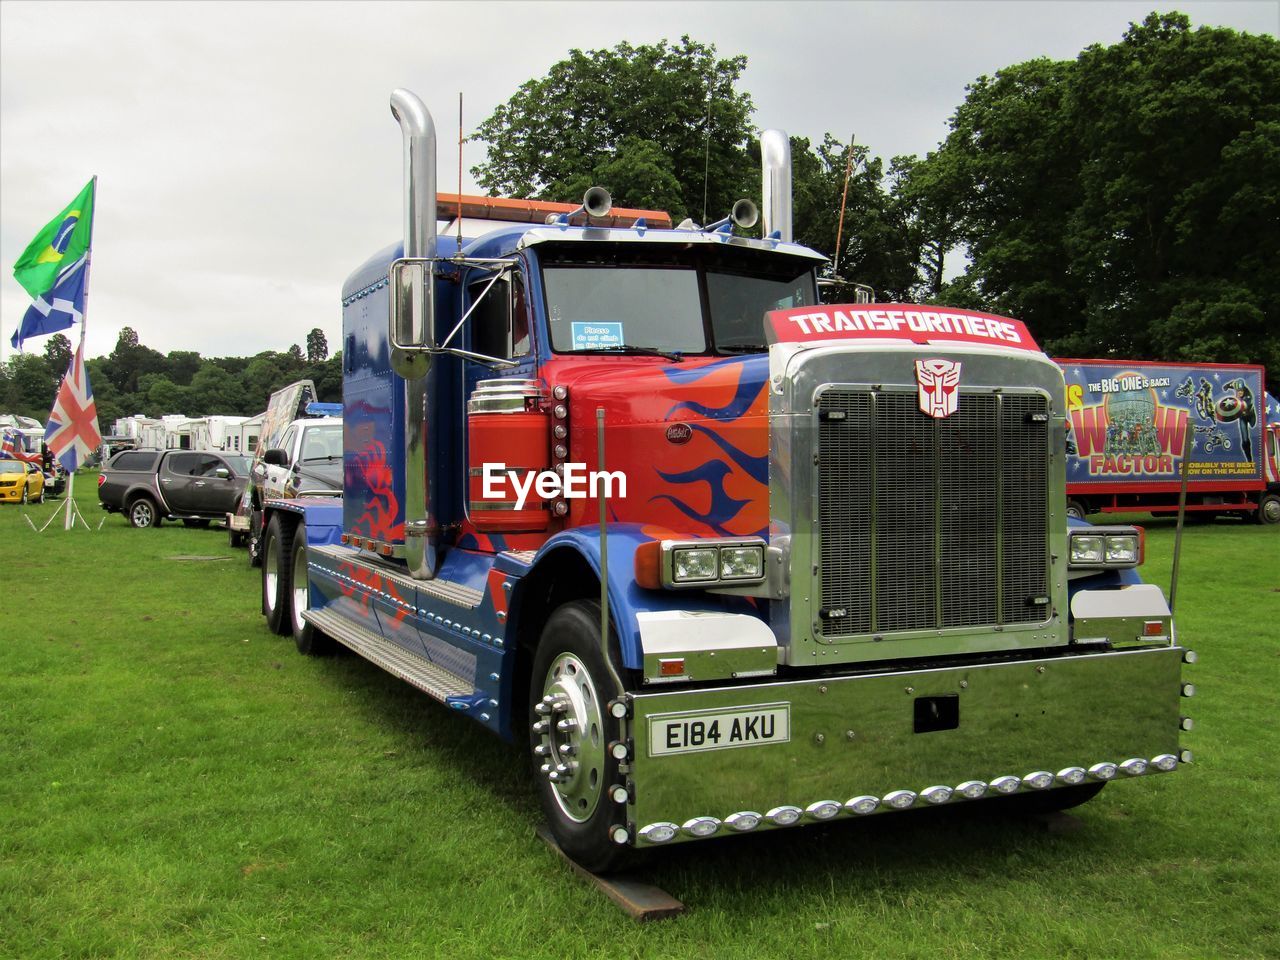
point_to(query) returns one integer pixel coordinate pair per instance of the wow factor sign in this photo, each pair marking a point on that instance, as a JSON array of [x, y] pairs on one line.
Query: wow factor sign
[[1130, 421]]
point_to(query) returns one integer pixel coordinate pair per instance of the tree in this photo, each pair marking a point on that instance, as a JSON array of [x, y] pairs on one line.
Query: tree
[[661, 126], [57, 357], [130, 360], [1125, 203], [317, 346]]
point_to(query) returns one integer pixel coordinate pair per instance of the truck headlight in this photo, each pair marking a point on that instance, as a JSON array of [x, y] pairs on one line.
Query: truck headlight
[[741, 563], [1122, 549], [694, 565], [700, 564], [1086, 549], [1105, 547]]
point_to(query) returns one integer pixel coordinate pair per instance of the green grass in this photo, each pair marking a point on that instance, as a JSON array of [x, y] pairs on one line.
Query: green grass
[[176, 782]]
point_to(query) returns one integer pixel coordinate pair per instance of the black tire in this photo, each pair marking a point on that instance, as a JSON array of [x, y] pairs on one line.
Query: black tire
[[142, 512], [569, 667], [40, 499], [24, 496], [1044, 801], [310, 641], [1268, 511], [1076, 508], [277, 549], [196, 524]]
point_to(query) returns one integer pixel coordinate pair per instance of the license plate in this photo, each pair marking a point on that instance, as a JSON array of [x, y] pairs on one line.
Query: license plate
[[698, 730]]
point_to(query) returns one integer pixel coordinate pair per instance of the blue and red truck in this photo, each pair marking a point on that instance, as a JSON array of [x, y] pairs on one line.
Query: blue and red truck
[[1129, 422], [722, 558]]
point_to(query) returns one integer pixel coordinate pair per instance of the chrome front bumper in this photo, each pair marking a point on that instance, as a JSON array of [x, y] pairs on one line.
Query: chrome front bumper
[[856, 745]]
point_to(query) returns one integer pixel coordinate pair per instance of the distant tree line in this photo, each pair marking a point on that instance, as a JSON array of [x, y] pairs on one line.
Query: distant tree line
[[134, 378], [1125, 203]]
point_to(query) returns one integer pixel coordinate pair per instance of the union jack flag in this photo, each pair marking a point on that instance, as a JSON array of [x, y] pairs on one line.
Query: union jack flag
[[9, 445], [72, 433]]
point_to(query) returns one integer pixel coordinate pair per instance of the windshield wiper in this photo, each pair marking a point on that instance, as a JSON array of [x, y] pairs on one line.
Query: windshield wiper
[[742, 348], [628, 348]]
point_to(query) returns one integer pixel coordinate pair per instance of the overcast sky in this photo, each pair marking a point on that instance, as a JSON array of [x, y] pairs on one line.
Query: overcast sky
[[248, 161]]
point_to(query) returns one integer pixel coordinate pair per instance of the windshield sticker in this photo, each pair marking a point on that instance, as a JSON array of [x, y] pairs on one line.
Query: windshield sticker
[[593, 336]]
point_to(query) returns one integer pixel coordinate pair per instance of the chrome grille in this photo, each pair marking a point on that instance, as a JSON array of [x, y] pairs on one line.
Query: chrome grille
[[926, 524]]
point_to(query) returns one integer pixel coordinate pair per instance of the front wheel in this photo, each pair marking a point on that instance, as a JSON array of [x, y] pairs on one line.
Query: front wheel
[[1075, 509], [277, 549], [570, 734], [310, 641], [1268, 509]]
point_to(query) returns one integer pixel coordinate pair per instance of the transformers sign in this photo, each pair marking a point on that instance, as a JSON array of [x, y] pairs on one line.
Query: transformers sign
[[896, 321], [938, 383]]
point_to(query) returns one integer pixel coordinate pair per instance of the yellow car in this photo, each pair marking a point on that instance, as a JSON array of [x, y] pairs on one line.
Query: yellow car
[[20, 482]]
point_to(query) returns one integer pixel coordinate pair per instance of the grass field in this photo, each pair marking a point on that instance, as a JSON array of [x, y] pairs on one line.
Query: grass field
[[175, 781]]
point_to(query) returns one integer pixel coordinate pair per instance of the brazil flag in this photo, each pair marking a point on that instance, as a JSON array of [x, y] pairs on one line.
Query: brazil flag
[[61, 243]]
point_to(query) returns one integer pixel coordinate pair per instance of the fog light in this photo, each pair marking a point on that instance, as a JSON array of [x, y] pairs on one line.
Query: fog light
[[1185, 756], [1165, 762], [1006, 784], [1103, 771], [701, 826], [972, 789], [620, 835], [1086, 549], [823, 809], [741, 563], [1071, 775], [618, 794], [784, 816], [744, 821], [937, 794], [659, 832], [1188, 689], [900, 799], [863, 805], [1186, 723], [1134, 767], [619, 750], [694, 564]]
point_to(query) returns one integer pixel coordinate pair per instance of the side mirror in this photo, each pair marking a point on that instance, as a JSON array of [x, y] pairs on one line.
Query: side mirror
[[411, 323], [276, 457], [222, 473]]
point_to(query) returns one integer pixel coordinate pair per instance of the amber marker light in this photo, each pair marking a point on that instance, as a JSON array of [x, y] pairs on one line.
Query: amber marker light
[[649, 564]]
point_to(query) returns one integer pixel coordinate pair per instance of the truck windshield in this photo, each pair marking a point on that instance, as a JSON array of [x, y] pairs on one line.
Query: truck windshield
[[670, 300], [322, 442], [602, 308]]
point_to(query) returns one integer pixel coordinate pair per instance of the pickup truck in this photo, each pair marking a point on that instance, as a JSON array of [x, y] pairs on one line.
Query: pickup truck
[[306, 461], [148, 486]]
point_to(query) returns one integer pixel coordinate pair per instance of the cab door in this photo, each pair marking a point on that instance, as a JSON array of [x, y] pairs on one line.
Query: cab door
[[178, 475]]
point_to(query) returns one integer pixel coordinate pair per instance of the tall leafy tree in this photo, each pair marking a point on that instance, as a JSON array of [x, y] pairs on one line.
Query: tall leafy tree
[[661, 125], [1127, 202], [317, 346]]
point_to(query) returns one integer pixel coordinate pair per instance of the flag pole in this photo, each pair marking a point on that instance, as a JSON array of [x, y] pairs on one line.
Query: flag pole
[[69, 522]]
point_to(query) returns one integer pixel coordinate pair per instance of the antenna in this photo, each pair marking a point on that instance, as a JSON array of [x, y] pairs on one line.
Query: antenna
[[706, 160], [848, 169], [460, 142]]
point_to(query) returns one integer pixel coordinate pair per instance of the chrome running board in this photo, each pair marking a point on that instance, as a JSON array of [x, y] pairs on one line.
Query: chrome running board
[[431, 679]]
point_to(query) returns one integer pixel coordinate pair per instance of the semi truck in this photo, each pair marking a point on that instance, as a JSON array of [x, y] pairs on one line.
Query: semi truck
[[1128, 425], [720, 558]]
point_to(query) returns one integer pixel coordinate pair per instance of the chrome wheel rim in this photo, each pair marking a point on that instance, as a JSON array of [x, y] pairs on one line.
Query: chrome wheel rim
[[1271, 511], [570, 731], [271, 572], [301, 594], [141, 514]]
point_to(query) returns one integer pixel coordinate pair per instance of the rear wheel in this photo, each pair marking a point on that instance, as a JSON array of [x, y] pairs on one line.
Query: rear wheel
[[143, 513], [1268, 509], [570, 734], [1075, 508], [277, 549], [309, 640]]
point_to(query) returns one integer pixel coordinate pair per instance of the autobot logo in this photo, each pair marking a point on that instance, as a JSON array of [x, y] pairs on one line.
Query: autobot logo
[[938, 381]]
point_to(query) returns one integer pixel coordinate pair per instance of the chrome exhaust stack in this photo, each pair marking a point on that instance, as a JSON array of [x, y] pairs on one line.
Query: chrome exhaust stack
[[417, 327], [775, 169]]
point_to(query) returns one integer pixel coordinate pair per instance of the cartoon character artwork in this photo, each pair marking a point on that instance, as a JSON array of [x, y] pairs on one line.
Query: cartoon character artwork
[[1238, 407]]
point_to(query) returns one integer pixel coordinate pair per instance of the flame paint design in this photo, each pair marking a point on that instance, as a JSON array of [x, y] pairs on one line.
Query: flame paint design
[[373, 582], [379, 518]]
